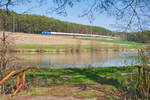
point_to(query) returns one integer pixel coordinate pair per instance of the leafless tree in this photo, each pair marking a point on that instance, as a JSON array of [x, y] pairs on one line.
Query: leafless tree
[[132, 12], [6, 61]]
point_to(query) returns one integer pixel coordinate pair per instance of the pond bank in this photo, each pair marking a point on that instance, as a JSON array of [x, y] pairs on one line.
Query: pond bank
[[103, 83], [68, 50], [85, 82]]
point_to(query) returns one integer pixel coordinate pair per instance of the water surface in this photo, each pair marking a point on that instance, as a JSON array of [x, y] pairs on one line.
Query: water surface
[[79, 60]]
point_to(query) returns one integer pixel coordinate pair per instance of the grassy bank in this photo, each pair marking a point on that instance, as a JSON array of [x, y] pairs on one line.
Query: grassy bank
[[119, 44], [81, 47], [108, 82], [129, 44], [114, 41], [82, 74], [103, 83]]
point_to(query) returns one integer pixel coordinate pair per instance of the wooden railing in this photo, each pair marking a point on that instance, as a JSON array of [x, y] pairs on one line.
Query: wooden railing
[[20, 85]]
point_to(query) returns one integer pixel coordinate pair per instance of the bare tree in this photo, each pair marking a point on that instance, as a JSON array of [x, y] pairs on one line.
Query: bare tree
[[133, 13], [6, 61]]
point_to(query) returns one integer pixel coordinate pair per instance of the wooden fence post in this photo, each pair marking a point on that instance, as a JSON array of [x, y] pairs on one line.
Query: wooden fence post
[[18, 89], [18, 80], [23, 80], [20, 85]]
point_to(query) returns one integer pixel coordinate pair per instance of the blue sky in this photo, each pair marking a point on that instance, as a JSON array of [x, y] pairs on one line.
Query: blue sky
[[101, 20]]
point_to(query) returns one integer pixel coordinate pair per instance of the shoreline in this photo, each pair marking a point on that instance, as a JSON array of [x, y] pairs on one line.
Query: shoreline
[[69, 50]]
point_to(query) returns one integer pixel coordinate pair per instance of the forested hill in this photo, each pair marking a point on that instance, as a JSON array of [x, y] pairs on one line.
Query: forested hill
[[36, 24]]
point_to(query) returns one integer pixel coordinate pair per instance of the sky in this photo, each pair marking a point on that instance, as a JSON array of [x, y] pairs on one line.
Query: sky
[[73, 14]]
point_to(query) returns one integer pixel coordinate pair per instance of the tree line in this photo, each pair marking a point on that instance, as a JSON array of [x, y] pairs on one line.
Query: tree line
[[142, 37], [36, 24]]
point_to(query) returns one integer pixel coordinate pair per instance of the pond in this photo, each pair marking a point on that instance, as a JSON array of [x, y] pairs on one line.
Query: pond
[[78, 60]]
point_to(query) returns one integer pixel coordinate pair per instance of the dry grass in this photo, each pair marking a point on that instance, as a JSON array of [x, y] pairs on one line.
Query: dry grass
[[38, 39]]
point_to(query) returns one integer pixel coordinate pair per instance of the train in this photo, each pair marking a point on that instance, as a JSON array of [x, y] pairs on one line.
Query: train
[[77, 34], [46, 33]]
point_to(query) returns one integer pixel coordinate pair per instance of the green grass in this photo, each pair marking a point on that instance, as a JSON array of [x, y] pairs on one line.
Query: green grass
[[36, 91], [112, 41], [51, 47], [100, 82], [35, 53], [63, 47], [101, 75], [116, 41], [109, 79], [126, 45]]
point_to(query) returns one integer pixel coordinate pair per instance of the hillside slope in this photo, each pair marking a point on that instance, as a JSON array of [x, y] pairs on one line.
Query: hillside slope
[[36, 24], [38, 39]]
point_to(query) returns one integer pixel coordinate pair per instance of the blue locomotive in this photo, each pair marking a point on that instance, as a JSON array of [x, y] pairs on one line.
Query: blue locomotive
[[46, 33]]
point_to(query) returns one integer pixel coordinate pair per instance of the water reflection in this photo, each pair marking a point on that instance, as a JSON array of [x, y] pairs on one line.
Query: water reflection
[[76, 60]]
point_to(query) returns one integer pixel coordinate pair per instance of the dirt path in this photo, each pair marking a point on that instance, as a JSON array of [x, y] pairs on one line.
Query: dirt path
[[92, 91], [48, 98]]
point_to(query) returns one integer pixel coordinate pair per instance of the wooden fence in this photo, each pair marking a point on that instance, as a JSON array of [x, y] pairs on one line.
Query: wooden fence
[[20, 85]]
